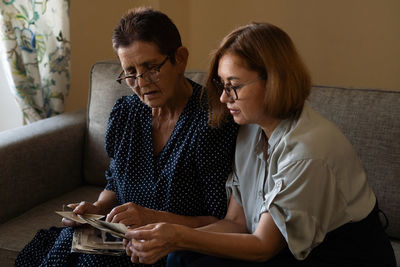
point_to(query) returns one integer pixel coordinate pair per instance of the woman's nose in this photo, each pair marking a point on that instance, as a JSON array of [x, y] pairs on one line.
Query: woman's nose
[[225, 97], [141, 82]]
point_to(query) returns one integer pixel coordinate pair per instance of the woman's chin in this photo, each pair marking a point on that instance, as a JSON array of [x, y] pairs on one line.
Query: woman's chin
[[239, 120], [153, 103]]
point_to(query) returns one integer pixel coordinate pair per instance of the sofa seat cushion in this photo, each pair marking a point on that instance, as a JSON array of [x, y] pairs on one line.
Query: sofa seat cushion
[[396, 248], [17, 232]]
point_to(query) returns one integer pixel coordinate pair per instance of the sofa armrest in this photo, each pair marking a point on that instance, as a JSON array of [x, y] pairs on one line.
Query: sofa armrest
[[40, 161]]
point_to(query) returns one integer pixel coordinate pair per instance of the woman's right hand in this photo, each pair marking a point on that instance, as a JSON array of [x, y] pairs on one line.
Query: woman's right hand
[[81, 208], [149, 243]]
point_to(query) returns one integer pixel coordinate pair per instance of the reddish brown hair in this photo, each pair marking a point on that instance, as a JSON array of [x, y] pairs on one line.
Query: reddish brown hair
[[269, 51]]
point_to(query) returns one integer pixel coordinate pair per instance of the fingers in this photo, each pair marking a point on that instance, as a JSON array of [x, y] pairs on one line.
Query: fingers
[[119, 213], [83, 207], [127, 249], [135, 259], [136, 256], [127, 214], [145, 242], [145, 246], [72, 205], [130, 251], [123, 217], [150, 257], [67, 222], [141, 233], [113, 212]]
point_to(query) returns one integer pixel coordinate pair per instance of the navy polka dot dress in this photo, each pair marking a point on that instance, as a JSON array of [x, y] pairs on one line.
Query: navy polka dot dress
[[187, 177]]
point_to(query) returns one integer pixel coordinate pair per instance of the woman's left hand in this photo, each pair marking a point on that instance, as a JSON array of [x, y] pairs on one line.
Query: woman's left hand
[[131, 215], [150, 243]]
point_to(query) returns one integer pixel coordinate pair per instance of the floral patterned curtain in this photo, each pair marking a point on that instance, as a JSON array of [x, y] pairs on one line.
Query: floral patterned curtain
[[35, 35]]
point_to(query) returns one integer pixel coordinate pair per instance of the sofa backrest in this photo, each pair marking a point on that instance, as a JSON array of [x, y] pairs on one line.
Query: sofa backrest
[[369, 118], [103, 93]]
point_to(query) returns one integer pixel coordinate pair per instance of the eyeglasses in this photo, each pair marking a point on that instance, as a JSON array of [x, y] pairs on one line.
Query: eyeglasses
[[231, 90], [151, 75]]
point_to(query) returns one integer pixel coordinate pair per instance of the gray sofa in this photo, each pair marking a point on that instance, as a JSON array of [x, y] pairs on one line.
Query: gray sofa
[[62, 159]]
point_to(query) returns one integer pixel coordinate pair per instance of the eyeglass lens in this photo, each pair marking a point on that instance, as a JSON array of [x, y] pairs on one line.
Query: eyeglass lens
[[229, 90], [151, 76]]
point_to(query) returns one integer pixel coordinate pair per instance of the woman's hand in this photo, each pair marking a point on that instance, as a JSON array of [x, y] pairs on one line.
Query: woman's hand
[[81, 208], [150, 243], [131, 215]]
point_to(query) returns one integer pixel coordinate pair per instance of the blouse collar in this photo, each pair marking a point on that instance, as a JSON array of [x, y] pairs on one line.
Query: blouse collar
[[279, 132]]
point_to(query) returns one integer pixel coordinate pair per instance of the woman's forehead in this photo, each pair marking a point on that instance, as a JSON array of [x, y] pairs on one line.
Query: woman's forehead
[[231, 65], [139, 53]]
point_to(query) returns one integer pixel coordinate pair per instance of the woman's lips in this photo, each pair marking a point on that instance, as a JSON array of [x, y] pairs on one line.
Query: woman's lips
[[150, 94], [234, 111]]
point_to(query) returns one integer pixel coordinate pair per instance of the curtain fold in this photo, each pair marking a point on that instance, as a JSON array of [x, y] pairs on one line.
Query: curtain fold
[[35, 37]]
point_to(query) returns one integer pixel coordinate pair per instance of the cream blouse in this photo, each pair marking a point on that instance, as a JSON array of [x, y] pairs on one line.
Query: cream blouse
[[312, 183]]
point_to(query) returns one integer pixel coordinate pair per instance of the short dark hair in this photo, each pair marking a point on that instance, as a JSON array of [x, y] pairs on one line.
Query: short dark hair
[[148, 25], [268, 50]]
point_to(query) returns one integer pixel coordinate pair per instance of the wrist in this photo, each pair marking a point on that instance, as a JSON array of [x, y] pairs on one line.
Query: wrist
[[156, 216], [180, 236]]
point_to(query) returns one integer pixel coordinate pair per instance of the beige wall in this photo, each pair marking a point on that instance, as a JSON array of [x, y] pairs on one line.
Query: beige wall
[[343, 42]]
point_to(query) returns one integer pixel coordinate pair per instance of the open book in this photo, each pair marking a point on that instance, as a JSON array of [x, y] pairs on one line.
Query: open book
[[100, 237]]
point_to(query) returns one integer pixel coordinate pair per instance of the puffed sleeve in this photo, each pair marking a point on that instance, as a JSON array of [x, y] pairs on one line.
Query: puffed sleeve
[[113, 136], [304, 204], [215, 153]]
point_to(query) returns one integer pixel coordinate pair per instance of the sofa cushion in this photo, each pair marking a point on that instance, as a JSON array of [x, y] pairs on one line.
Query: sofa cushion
[[104, 91], [396, 248], [370, 120], [17, 232], [44, 157]]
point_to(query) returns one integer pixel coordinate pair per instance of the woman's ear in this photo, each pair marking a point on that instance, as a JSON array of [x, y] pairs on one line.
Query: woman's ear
[[181, 58]]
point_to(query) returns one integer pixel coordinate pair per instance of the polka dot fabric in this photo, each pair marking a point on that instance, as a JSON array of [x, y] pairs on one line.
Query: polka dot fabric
[[187, 177]]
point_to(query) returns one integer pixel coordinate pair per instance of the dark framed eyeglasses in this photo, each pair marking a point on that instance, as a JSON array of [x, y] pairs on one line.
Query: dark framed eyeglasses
[[231, 90], [151, 75]]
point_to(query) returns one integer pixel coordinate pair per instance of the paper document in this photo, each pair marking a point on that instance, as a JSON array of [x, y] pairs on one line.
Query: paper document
[[100, 237]]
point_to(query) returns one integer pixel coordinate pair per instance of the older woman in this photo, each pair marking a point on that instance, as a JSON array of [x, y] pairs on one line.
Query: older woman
[[167, 163], [298, 192]]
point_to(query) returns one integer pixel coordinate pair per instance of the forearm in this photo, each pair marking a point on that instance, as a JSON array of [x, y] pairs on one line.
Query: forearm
[[190, 221], [234, 221], [106, 201], [225, 226], [231, 245], [225, 238]]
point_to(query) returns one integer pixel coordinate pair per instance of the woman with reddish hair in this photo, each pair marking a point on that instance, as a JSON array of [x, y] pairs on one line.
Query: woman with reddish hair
[[298, 195]]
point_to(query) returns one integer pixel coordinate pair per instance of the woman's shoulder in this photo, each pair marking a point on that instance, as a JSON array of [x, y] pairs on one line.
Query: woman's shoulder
[[315, 137], [126, 104], [128, 100]]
